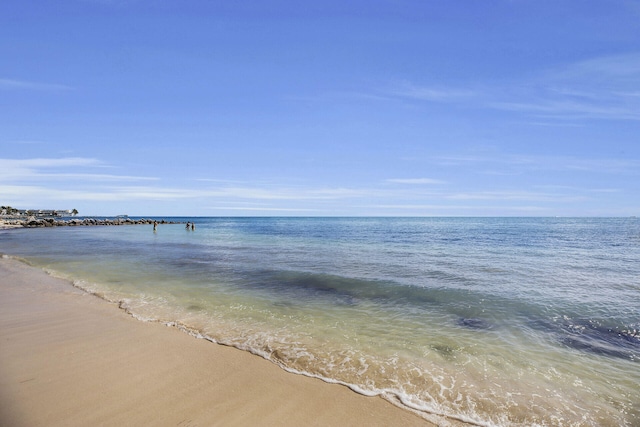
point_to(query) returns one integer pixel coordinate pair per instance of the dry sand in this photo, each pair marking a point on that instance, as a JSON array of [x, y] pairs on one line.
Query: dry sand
[[68, 358]]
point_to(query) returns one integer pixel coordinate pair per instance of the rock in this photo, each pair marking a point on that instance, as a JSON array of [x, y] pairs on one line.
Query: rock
[[32, 222], [474, 323]]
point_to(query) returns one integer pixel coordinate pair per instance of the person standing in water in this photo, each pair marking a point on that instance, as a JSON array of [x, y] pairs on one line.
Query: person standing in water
[[155, 226]]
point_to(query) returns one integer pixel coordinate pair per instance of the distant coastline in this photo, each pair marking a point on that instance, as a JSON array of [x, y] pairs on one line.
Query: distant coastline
[[36, 218], [8, 222]]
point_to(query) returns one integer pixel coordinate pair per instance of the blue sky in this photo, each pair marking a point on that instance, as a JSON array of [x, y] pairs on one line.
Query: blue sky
[[279, 107]]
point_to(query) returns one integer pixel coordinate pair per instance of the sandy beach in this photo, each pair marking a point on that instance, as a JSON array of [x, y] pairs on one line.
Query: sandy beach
[[68, 358]]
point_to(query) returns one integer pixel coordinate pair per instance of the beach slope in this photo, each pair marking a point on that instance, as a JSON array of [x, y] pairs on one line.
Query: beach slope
[[68, 358]]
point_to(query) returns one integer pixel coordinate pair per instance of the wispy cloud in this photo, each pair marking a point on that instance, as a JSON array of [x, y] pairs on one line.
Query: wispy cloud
[[574, 189], [505, 164], [426, 209], [48, 182], [12, 170], [97, 194], [287, 193], [598, 88], [604, 88], [113, 3], [262, 209], [44, 179], [21, 169], [430, 93], [415, 181], [49, 162], [13, 84], [25, 142], [563, 109], [93, 177], [608, 70], [516, 195]]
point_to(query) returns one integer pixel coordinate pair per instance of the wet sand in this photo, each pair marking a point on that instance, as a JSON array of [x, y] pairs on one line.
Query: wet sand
[[68, 358]]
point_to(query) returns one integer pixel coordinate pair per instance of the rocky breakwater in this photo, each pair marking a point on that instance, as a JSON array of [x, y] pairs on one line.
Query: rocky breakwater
[[76, 222]]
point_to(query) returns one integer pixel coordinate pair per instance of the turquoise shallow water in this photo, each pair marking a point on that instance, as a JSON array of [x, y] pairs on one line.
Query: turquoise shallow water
[[495, 321]]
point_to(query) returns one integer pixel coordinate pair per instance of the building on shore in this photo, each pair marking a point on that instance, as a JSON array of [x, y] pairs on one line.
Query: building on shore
[[38, 213]]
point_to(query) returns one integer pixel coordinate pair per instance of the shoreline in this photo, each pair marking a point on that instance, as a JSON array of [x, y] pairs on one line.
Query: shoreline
[[71, 358]]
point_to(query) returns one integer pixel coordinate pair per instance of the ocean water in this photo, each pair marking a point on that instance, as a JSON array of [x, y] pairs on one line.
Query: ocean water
[[490, 321]]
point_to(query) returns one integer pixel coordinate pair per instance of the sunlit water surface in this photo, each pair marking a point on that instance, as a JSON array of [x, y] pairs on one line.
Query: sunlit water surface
[[494, 321]]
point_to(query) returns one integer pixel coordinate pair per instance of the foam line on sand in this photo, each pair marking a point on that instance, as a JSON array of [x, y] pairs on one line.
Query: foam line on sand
[[68, 358]]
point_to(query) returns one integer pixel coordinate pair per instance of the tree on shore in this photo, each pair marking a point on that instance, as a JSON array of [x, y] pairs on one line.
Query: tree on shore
[[74, 212], [8, 210]]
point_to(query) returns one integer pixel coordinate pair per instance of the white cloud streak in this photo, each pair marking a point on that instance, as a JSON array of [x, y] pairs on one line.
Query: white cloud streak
[[508, 163], [12, 170], [415, 181], [422, 209], [49, 163], [262, 209], [604, 88], [13, 84], [515, 195], [37, 182], [430, 94], [597, 88]]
